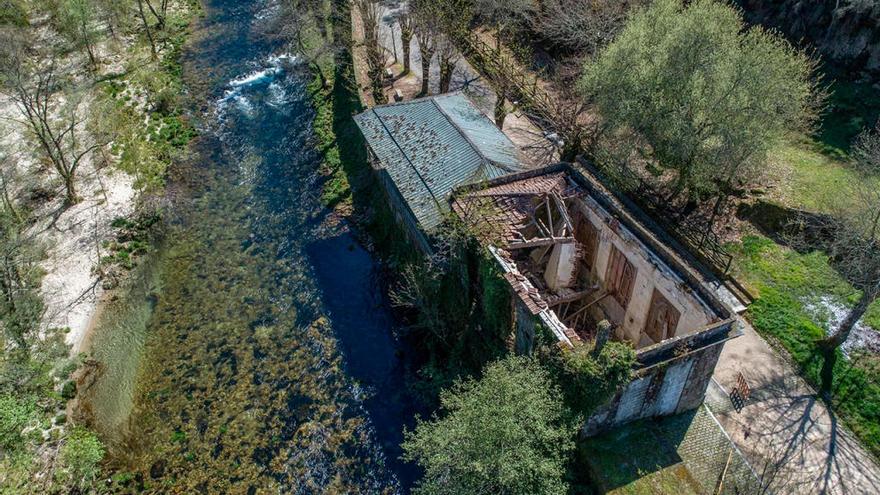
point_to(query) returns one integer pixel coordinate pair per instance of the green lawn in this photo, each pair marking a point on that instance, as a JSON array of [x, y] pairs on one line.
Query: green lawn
[[802, 176], [784, 282]]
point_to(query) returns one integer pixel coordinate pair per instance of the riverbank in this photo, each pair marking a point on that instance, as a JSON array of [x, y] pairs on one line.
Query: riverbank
[[119, 85], [269, 359]]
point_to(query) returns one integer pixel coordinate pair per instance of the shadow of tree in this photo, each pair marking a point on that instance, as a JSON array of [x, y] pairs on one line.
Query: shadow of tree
[[798, 445]]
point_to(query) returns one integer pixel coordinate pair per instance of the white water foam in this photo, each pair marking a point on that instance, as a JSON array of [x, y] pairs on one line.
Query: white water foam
[[273, 68]]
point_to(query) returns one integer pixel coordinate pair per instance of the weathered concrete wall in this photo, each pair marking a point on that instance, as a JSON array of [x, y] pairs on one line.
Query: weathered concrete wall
[[651, 273], [673, 379]]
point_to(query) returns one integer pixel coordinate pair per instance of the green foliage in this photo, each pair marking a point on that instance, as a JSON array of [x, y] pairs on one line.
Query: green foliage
[[587, 381], [761, 263], [16, 413], [710, 96], [75, 20], [81, 456], [852, 107], [496, 299], [13, 12], [504, 433], [20, 304], [68, 390]]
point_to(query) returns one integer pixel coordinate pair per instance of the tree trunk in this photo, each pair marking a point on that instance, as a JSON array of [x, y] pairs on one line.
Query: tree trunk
[[70, 187], [406, 40], [446, 70], [832, 343], [147, 28], [500, 110], [426, 71]]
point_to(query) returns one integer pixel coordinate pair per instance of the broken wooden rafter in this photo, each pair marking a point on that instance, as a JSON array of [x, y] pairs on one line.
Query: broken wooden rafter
[[583, 308], [542, 241], [560, 204], [571, 297]]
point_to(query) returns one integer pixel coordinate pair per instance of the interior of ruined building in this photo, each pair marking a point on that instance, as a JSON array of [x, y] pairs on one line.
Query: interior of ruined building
[[583, 265]]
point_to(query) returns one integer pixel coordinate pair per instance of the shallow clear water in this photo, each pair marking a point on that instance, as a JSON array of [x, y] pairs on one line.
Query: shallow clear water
[[269, 362]]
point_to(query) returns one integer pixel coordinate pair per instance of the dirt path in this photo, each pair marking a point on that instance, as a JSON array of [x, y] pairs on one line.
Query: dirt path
[[791, 439]]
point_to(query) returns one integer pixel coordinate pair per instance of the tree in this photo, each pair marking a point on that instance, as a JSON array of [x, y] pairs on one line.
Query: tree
[[370, 13], [580, 26], [427, 29], [504, 433], [76, 21], [709, 95], [307, 35], [55, 124], [505, 15], [149, 30], [447, 57], [853, 243], [407, 30]]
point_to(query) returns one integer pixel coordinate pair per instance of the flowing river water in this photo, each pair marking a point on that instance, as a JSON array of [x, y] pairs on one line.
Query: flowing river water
[[256, 353]]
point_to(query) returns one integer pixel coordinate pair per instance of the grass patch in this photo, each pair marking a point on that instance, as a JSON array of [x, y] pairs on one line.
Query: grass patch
[[807, 178], [615, 469], [784, 281]]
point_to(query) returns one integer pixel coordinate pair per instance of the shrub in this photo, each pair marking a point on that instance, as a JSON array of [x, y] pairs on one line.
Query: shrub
[[15, 415], [588, 381], [68, 390], [81, 455], [13, 12]]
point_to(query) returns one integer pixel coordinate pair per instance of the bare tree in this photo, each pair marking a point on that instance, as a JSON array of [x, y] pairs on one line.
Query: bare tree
[[147, 28], [505, 15], [427, 30], [853, 237], [407, 30], [55, 123], [370, 13], [580, 26], [447, 57], [307, 35]]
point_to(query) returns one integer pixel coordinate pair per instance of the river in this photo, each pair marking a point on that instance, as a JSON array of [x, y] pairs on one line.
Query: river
[[265, 359]]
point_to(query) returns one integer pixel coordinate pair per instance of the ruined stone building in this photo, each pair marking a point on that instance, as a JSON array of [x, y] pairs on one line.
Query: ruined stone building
[[575, 255], [573, 252], [422, 149]]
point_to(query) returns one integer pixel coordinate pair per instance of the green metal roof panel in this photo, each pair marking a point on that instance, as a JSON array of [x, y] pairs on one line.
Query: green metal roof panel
[[427, 155], [490, 142]]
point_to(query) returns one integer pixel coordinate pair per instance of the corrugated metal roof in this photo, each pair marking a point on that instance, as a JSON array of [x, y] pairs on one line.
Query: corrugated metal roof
[[432, 145], [490, 142]]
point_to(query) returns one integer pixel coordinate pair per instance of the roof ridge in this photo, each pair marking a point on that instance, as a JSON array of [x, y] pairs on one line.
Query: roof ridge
[[461, 132], [486, 160]]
